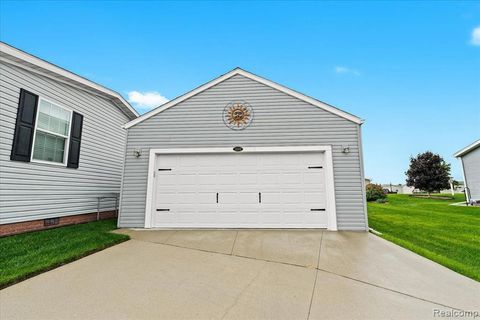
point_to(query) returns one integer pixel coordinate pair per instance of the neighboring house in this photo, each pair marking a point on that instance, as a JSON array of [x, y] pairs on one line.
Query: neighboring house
[[470, 159], [62, 144], [404, 189], [243, 151], [392, 188], [368, 181], [460, 188], [398, 188]]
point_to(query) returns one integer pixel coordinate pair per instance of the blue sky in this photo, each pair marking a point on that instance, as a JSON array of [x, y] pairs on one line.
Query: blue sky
[[411, 69]]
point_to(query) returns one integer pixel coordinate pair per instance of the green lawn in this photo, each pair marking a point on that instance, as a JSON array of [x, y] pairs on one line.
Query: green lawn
[[25, 255], [449, 235]]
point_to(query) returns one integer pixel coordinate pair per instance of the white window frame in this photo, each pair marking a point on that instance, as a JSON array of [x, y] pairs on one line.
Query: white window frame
[[67, 141]]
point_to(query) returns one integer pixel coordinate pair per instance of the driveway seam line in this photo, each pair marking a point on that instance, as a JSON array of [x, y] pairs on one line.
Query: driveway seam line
[[239, 295], [316, 274], [388, 289], [302, 266], [225, 254], [234, 242], [167, 238]]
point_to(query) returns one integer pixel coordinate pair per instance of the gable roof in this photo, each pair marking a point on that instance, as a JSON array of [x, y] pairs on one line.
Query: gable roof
[[27, 61], [238, 71], [467, 149]]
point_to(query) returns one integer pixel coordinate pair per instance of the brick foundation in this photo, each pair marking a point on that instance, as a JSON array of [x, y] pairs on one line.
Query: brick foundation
[[35, 225]]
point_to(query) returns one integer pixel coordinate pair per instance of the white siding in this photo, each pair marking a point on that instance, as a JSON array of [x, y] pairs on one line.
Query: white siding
[[471, 167], [280, 120], [30, 191]]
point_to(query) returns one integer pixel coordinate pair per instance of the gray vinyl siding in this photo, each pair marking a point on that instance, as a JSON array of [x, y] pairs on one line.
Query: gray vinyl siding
[[30, 191], [471, 167], [279, 120]]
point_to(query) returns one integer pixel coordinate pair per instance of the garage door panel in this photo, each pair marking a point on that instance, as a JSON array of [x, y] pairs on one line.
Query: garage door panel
[[226, 178], [238, 198], [190, 161], [166, 179], [290, 178], [314, 198], [247, 178], [244, 159], [268, 178], [313, 177], [207, 179]]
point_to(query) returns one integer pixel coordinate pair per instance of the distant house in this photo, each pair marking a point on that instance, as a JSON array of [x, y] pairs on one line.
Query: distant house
[[404, 189], [460, 188], [470, 159], [397, 188], [62, 144]]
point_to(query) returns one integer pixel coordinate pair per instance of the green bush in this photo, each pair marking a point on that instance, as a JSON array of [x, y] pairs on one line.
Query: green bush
[[375, 192]]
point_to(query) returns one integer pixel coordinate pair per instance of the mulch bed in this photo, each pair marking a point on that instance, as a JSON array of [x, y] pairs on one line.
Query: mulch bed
[[431, 197]]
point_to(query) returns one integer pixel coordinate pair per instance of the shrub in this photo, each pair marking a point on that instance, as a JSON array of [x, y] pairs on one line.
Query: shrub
[[375, 192]]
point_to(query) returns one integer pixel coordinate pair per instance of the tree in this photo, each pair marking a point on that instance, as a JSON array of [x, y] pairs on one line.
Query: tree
[[428, 172]]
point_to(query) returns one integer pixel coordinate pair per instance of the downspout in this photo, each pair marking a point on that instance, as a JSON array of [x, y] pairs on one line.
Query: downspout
[[465, 184], [362, 173], [122, 181]]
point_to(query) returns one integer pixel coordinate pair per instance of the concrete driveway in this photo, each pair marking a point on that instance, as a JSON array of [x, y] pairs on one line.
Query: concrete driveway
[[246, 274]]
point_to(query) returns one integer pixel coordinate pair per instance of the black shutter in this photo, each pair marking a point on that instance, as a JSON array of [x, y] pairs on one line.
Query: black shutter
[[24, 126], [75, 137]]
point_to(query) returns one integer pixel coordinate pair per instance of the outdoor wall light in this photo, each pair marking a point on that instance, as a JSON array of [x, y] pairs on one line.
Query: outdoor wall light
[[137, 153], [346, 149]]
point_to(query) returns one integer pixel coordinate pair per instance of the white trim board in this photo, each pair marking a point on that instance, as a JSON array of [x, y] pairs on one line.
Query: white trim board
[[467, 149], [238, 71], [329, 177], [45, 68]]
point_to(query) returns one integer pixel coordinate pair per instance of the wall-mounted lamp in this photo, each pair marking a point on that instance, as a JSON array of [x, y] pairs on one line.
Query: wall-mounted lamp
[[137, 153], [346, 149]]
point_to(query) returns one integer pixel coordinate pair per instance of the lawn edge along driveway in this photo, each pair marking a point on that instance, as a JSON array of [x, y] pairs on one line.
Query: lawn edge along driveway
[[26, 255], [432, 228]]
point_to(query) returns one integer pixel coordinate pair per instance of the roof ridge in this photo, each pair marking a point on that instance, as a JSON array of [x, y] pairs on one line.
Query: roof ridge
[[29, 59], [254, 77]]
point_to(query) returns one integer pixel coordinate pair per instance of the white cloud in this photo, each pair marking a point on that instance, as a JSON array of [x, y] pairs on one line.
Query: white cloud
[[146, 100], [345, 70], [475, 36]]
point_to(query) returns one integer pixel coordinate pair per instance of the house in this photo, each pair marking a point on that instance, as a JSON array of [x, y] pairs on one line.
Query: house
[[470, 159], [62, 145], [242, 151], [458, 188], [397, 188], [404, 189]]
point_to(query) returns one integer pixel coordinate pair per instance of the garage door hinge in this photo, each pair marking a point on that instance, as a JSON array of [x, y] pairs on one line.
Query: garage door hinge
[[315, 167], [317, 209], [163, 209], [164, 169]]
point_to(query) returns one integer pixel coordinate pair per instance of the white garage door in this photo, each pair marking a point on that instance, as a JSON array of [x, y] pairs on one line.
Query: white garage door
[[230, 190]]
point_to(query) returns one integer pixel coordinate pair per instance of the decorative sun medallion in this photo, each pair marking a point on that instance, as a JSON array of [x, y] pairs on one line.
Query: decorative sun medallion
[[238, 115]]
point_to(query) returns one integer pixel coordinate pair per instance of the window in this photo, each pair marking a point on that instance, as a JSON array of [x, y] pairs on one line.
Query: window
[[52, 133]]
